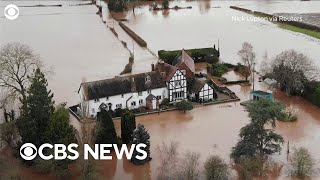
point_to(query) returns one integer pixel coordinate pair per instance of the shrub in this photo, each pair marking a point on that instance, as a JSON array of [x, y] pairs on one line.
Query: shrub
[[134, 36], [301, 163], [216, 169], [118, 112], [217, 69], [165, 4], [165, 102], [184, 106], [116, 5]]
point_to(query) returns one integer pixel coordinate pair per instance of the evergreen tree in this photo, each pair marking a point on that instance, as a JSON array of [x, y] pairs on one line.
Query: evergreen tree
[[59, 130], [36, 111], [255, 139], [165, 4], [141, 135], [128, 124], [105, 133]]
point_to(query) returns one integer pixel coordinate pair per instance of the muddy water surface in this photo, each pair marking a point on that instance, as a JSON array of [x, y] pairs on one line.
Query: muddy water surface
[[78, 45]]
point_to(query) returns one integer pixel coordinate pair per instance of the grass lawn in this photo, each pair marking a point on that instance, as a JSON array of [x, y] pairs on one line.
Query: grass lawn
[[315, 34]]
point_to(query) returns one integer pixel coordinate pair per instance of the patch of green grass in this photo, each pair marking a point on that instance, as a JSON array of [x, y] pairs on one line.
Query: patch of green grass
[[312, 33]]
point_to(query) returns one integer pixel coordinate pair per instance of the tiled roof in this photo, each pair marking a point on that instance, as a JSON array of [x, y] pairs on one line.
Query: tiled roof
[[166, 70], [185, 58], [123, 85]]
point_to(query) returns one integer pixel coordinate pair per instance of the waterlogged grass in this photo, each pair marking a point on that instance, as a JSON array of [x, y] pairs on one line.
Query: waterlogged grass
[[315, 34]]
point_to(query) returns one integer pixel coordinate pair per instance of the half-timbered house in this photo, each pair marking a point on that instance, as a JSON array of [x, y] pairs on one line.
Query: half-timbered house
[[175, 80], [201, 90]]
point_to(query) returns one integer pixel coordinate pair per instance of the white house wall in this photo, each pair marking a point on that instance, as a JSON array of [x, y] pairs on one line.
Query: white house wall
[[206, 92], [178, 76], [93, 105]]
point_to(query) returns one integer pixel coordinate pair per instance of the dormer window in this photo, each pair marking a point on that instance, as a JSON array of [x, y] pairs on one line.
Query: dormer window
[[96, 100], [148, 78], [139, 93]]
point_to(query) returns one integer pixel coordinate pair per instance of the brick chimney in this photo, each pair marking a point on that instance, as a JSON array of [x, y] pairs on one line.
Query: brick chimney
[[152, 67]]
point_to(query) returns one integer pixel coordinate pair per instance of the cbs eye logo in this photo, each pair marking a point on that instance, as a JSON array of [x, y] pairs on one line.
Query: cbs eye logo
[[11, 12], [28, 151]]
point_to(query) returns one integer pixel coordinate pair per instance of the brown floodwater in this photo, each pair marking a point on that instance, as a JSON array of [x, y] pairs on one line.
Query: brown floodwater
[[78, 45]]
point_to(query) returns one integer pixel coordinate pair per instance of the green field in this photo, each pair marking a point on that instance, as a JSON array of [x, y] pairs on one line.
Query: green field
[[315, 34]]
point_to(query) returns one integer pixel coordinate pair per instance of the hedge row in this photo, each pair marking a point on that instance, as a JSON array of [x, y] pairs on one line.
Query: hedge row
[[241, 9], [132, 34], [312, 92], [209, 55]]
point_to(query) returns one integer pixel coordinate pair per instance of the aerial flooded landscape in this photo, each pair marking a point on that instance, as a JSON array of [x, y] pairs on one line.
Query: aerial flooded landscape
[[213, 89]]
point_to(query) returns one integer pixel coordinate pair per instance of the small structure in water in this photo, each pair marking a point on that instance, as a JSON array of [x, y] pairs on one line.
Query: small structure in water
[[256, 95]]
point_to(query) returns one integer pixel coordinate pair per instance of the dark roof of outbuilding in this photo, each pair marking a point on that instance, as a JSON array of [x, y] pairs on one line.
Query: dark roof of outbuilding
[[123, 84], [262, 93], [150, 97], [197, 85]]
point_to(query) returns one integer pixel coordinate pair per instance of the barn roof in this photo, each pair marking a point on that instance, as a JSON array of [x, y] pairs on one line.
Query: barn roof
[[123, 85], [186, 59]]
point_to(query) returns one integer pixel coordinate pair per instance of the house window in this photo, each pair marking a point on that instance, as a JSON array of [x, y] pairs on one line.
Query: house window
[[107, 98], [133, 103], [140, 102], [139, 93], [96, 100], [121, 95], [177, 83], [158, 97], [178, 95], [118, 105], [149, 91]]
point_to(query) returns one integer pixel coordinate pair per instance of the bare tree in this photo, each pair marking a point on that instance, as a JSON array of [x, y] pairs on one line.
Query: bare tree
[[216, 169], [7, 102], [9, 134], [189, 166], [168, 158], [301, 163], [17, 64], [292, 70], [247, 57]]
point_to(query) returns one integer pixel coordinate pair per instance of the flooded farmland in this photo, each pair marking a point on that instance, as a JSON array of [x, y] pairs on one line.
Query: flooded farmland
[[79, 46]]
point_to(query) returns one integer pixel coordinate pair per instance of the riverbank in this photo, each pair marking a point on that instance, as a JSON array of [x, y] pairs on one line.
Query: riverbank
[[295, 25]]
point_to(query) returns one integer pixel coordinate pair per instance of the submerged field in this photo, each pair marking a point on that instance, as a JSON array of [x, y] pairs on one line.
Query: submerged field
[[79, 46]]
